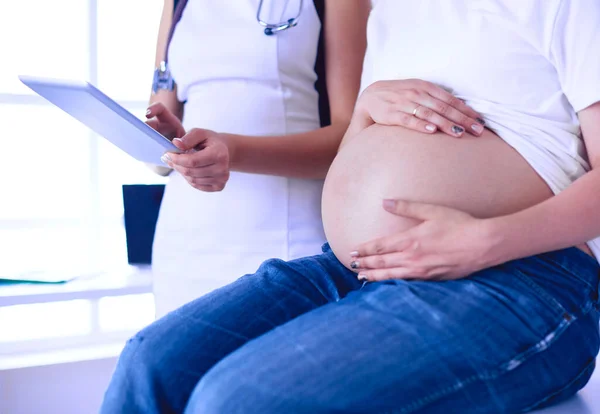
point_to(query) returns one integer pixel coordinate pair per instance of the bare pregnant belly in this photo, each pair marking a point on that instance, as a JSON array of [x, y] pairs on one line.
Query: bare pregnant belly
[[482, 176]]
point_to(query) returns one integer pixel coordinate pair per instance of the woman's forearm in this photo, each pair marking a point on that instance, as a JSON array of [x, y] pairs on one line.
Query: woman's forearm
[[569, 219], [168, 98], [305, 155]]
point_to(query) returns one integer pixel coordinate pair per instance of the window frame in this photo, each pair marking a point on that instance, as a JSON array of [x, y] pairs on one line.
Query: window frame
[[138, 279]]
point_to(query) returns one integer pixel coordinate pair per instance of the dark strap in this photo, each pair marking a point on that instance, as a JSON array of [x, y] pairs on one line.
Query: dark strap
[[177, 12], [321, 83]]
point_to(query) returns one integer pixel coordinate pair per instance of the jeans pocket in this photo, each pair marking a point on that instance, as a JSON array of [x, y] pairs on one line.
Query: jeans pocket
[[543, 316], [523, 319]]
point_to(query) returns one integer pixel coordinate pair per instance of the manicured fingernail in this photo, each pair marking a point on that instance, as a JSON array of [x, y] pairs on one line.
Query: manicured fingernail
[[354, 254], [481, 121], [165, 158], [148, 112], [178, 140], [389, 204], [430, 128], [457, 130], [477, 128], [355, 265], [362, 276]]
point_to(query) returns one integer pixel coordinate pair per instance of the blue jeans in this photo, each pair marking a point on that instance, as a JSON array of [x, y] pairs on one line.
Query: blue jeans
[[307, 337]]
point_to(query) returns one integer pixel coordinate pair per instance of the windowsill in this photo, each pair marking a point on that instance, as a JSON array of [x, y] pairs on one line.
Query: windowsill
[[118, 282], [62, 356], [126, 280]]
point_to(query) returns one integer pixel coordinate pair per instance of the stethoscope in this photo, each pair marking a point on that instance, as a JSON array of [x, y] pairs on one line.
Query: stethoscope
[[162, 74], [270, 28]]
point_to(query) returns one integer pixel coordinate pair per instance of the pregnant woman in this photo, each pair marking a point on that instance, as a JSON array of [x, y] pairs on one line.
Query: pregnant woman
[[233, 78], [461, 276]]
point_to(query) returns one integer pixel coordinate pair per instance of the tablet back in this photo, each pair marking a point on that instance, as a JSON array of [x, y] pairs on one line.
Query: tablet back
[[104, 116]]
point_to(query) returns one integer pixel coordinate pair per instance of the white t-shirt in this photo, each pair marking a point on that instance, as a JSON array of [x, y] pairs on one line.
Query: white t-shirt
[[528, 66]]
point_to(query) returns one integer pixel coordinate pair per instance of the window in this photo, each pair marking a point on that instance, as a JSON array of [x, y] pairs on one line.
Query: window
[[61, 205]]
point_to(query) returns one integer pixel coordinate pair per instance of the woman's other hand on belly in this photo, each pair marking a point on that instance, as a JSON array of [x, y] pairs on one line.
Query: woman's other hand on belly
[[414, 104], [447, 244]]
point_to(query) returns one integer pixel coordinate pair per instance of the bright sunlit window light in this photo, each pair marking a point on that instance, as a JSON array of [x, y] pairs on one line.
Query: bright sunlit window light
[[125, 312], [45, 320], [72, 178], [61, 197]]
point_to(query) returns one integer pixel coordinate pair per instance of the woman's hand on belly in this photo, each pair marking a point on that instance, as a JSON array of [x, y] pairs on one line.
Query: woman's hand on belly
[[448, 244], [414, 104]]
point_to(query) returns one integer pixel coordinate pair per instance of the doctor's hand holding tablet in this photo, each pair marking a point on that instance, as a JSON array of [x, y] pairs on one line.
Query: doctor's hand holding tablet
[[205, 156]]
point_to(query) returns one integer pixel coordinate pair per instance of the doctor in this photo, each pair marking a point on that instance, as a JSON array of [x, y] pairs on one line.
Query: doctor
[[260, 193]]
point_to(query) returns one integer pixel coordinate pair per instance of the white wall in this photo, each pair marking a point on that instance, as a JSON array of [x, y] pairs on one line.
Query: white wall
[[71, 388]]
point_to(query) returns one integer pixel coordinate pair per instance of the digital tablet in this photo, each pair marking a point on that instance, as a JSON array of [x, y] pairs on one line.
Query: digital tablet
[[104, 116]]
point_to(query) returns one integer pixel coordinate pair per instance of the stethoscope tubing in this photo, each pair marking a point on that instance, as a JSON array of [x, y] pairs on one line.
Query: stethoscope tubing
[[270, 28]]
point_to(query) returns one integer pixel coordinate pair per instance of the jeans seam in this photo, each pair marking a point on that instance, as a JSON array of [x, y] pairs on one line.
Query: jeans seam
[[503, 368], [139, 339], [540, 290], [585, 307], [570, 272]]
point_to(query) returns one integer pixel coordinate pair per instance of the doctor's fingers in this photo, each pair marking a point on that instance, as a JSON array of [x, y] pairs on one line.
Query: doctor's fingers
[[153, 123], [202, 158], [194, 138], [218, 183], [160, 111], [208, 184], [164, 118], [211, 171]]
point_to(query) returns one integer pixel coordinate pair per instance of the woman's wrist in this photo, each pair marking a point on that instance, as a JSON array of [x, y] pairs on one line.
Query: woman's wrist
[[361, 118], [233, 143], [496, 246], [359, 122], [356, 126]]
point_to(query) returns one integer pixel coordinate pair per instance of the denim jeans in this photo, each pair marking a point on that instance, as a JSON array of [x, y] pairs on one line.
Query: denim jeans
[[306, 336]]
